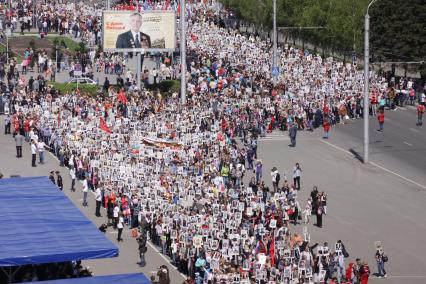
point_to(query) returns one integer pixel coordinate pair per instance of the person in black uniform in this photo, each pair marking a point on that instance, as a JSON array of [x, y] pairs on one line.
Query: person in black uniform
[[52, 177], [133, 38], [59, 180]]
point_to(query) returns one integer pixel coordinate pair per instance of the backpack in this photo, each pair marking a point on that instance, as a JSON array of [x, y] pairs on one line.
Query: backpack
[[385, 258], [277, 179]]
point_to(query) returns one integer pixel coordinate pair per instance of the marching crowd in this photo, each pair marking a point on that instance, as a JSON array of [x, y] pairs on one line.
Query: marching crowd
[[181, 175]]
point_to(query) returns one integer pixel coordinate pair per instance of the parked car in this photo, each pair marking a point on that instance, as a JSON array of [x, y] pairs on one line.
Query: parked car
[[83, 80]]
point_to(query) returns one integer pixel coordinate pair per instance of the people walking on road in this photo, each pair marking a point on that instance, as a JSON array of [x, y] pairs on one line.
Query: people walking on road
[[59, 181], [19, 139], [381, 119], [292, 132], [420, 113], [326, 127], [322, 197], [381, 258], [98, 199], [40, 150], [52, 177], [258, 170], [297, 172], [7, 124], [275, 176], [320, 212], [364, 273], [85, 190], [33, 153], [72, 176], [120, 226], [142, 248]]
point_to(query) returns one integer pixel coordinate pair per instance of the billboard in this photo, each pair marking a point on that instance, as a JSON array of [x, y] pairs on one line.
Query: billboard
[[131, 31]]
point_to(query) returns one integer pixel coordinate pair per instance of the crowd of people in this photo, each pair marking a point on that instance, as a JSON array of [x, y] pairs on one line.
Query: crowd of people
[[44, 272], [181, 174]]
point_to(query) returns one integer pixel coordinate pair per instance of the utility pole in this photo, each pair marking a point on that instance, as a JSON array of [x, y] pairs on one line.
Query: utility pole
[[366, 83], [56, 57], [182, 52], [8, 34], [274, 56], [138, 70]]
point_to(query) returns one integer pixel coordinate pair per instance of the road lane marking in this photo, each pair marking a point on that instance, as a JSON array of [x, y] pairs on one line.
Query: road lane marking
[[409, 144], [413, 129], [377, 165]]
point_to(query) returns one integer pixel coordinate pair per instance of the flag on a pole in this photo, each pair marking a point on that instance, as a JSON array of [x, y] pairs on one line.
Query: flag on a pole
[[122, 97], [103, 125], [272, 252]]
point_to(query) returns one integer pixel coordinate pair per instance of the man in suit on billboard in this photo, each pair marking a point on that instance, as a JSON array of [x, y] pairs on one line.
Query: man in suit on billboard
[[134, 38]]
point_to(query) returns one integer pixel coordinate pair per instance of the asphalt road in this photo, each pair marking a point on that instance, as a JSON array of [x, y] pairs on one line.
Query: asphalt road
[[401, 147], [383, 201]]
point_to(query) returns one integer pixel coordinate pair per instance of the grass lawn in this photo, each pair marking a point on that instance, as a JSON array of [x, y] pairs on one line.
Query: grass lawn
[[66, 88], [71, 44]]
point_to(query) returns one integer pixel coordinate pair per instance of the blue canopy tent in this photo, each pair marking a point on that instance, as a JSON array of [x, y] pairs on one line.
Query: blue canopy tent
[[136, 278], [41, 225]]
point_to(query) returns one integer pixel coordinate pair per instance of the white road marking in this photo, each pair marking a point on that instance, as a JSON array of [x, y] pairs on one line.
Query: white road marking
[[336, 147], [166, 259], [377, 165], [409, 144], [413, 129], [275, 139], [407, 276]]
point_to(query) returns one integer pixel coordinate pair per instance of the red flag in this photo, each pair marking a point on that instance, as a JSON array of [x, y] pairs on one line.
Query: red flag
[[167, 4], [103, 125], [122, 97], [272, 252]]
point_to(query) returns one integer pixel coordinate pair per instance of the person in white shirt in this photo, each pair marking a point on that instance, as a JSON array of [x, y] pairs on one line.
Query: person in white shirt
[[297, 172], [40, 149], [120, 226], [33, 153], [72, 175], [98, 198], [85, 190], [115, 215]]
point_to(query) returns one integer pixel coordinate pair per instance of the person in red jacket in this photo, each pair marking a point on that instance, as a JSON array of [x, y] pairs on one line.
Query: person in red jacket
[[326, 127], [381, 119], [420, 112], [364, 273]]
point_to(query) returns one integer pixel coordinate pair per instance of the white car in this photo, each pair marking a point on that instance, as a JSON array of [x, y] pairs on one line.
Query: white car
[[87, 81]]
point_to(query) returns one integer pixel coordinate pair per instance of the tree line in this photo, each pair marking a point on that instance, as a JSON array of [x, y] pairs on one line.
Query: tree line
[[398, 27]]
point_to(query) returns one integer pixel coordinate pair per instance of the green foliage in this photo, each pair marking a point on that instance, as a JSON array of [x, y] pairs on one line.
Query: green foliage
[[67, 88], [65, 42], [342, 19], [167, 86], [398, 30]]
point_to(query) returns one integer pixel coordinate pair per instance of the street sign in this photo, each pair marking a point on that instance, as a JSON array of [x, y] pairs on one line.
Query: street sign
[[275, 71]]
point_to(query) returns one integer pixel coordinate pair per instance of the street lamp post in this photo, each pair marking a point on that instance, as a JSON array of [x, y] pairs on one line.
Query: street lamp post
[[274, 59], [366, 82], [182, 52]]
